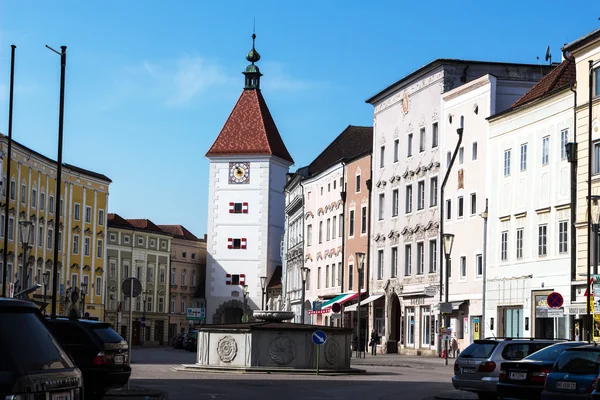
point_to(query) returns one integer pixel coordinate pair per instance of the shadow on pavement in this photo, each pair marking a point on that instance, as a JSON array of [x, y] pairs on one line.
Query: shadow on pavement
[[262, 386]]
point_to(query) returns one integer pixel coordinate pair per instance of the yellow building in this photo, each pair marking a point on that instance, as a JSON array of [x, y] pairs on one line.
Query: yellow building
[[82, 225], [582, 51]]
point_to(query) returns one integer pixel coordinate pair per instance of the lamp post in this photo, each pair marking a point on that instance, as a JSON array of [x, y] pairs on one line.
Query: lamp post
[[143, 335], [360, 257], [304, 271], [459, 132], [263, 286], [245, 293], [84, 290], [25, 229], [448, 242], [46, 281], [594, 218]]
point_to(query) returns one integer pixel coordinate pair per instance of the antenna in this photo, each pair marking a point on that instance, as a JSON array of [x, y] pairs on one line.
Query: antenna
[[541, 68], [548, 55]]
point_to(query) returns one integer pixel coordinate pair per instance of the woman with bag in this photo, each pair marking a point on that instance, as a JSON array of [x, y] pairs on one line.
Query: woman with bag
[[373, 342]]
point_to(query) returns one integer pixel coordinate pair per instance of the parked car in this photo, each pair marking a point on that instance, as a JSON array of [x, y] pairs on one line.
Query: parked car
[[100, 353], [574, 375], [477, 368], [33, 365], [525, 379], [191, 343], [178, 342]]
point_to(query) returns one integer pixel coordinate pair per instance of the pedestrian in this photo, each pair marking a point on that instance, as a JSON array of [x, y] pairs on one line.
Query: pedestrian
[[373, 342], [454, 347]]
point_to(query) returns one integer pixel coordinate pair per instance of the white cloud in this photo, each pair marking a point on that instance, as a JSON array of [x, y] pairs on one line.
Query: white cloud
[[277, 80]]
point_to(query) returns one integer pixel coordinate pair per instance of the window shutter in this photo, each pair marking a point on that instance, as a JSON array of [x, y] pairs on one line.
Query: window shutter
[[230, 243]]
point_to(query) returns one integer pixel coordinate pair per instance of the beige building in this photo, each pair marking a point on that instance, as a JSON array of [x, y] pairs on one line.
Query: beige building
[[187, 277], [583, 51], [82, 227], [138, 248]]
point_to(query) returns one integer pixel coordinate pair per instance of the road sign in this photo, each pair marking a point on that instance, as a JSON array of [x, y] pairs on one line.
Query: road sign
[[550, 313], [126, 287], [316, 306], [446, 333], [555, 300], [194, 314], [336, 307], [319, 337], [202, 313]]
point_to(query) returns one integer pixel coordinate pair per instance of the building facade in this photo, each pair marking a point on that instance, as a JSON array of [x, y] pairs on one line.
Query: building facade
[[138, 248], [82, 227], [248, 167], [406, 179], [293, 245], [528, 252], [585, 53], [187, 277], [327, 220], [465, 192]]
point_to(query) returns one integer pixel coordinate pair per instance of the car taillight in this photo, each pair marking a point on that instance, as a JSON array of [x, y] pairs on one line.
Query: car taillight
[[456, 369], [593, 386], [502, 375], [102, 359], [488, 366], [540, 376]]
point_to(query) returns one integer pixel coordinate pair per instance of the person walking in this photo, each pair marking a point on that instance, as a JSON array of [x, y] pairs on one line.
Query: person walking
[[373, 342]]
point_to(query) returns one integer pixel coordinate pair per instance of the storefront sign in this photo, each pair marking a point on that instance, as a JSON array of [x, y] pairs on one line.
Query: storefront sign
[[417, 301], [575, 309], [550, 313], [430, 291]]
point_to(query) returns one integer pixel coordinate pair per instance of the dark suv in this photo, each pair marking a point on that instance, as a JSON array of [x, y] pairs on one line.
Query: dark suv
[[33, 365], [98, 351]]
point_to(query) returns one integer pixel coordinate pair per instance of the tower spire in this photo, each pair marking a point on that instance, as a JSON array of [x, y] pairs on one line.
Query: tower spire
[[252, 72]]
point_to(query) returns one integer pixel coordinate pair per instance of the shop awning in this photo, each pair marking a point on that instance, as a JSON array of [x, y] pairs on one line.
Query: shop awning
[[456, 305], [368, 300], [340, 298]]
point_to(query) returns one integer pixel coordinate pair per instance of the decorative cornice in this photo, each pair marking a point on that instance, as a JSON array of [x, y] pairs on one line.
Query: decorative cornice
[[75, 266], [100, 269], [77, 229], [87, 268], [543, 210]]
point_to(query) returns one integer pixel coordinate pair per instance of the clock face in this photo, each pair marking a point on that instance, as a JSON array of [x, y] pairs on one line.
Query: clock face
[[239, 172]]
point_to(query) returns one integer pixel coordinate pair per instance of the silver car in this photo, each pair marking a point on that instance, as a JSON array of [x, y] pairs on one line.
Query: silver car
[[478, 367]]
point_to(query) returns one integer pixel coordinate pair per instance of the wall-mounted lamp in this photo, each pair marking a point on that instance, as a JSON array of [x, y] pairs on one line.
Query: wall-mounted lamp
[[491, 323], [526, 323], [571, 150]]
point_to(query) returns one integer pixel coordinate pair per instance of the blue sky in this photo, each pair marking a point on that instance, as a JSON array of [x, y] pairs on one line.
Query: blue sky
[[151, 83]]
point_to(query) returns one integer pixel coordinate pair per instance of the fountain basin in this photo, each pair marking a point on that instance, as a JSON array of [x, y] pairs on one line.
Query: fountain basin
[[272, 347]]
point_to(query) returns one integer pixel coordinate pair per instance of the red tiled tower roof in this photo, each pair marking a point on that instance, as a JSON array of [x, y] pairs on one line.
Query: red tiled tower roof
[[250, 129]]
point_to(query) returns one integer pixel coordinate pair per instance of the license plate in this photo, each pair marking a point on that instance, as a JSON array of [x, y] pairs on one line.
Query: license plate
[[518, 376], [119, 359], [60, 396], [468, 370], [566, 385]]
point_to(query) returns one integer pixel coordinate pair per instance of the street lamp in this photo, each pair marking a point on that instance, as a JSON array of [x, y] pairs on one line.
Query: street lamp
[[25, 229], [245, 293], [360, 257], [84, 291], [594, 219], [304, 271], [46, 282], [448, 242], [263, 286], [144, 318]]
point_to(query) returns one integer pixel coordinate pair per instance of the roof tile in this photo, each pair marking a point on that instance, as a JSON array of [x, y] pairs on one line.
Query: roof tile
[[250, 129], [178, 231], [352, 142], [561, 76]]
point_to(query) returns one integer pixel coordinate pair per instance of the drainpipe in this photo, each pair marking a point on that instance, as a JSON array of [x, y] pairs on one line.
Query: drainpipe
[[484, 277], [303, 247], [368, 269]]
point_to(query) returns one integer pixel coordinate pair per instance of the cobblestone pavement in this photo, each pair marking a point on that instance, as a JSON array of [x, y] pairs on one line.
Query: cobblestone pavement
[[388, 377]]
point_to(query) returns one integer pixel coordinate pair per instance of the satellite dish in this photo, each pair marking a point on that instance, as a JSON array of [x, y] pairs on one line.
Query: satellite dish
[[548, 55]]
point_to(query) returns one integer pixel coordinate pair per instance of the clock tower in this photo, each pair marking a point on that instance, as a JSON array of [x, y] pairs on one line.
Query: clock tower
[[248, 167]]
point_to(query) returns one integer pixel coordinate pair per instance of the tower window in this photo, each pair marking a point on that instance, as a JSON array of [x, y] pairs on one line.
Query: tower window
[[236, 243], [238, 208]]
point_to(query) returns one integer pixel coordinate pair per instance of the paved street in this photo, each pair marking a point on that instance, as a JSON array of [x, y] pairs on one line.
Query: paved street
[[412, 378]]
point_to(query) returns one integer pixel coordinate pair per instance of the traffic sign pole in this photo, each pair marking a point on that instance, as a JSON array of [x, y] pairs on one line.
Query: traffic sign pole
[[318, 357]]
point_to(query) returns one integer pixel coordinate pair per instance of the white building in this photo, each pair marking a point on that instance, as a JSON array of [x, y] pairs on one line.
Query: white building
[[248, 167], [406, 249], [529, 210], [293, 245], [465, 193]]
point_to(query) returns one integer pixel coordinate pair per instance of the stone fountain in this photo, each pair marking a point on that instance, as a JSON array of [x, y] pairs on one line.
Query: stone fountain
[[272, 345]]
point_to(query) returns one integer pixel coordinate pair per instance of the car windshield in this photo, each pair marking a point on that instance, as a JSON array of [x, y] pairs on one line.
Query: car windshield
[[26, 344], [551, 353], [106, 333], [482, 349], [581, 362]]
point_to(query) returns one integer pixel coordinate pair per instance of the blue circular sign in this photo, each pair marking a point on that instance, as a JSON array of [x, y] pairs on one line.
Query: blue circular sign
[[319, 337], [555, 300]]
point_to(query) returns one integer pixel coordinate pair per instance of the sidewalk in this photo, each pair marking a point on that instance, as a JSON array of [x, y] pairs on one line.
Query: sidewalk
[[399, 360]]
